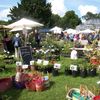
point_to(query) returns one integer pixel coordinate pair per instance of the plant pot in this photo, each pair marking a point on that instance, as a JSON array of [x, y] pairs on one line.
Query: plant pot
[[91, 72], [68, 72], [49, 69], [83, 73], [45, 70], [33, 68], [74, 73], [55, 72]]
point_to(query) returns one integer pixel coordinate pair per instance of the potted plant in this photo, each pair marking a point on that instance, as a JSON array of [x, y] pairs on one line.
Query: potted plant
[[83, 70], [91, 70], [93, 53], [49, 67], [33, 65], [67, 71], [55, 72], [56, 68], [74, 68]]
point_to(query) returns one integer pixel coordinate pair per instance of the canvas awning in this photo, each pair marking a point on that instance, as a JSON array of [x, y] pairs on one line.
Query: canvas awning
[[25, 23], [56, 29]]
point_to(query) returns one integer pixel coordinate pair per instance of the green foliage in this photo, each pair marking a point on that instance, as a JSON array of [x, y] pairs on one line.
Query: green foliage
[[40, 10], [55, 20], [3, 22], [90, 15], [57, 89], [94, 52], [70, 20], [37, 9]]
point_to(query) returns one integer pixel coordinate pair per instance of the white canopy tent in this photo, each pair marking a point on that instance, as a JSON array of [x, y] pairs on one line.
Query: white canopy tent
[[19, 29], [3, 27], [24, 23], [71, 31], [86, 31], [56, 30]]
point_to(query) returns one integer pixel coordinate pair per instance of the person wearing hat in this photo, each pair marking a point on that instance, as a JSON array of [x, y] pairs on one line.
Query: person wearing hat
[[17, 43]]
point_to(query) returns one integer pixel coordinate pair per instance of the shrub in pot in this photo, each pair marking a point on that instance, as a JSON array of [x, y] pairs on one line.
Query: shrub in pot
[[49, 67], [91, 71], [75, 70], [75, 73], [83, 71], [67, 71], [55, 72]]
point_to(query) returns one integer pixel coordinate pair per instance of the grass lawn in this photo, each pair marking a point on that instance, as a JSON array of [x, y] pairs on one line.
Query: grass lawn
[[57, 89]]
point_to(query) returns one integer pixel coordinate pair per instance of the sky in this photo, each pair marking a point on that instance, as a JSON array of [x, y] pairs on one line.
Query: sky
[[81, 7]]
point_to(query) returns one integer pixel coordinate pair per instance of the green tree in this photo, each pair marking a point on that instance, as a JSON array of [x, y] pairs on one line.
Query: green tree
[[90, 15], [70, 20], [37, 9], [55, 20], [3, 22]]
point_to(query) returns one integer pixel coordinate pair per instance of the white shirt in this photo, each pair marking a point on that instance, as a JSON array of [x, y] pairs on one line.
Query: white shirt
[[73, 54], [18, 77]]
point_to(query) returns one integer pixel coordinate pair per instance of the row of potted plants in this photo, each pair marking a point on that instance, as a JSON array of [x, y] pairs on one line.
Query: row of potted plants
[[42, 66], [82, 70]]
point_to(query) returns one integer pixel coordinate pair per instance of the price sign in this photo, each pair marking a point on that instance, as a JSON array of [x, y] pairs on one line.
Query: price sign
[[57, 66], [73, 67]]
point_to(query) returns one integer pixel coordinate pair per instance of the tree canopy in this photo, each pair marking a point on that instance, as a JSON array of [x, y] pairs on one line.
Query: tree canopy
[[41, 10], [90, 15], [37, 9], [70, 20]]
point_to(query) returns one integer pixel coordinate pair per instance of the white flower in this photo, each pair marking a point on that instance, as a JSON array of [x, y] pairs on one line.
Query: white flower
[[37, 51], [98, 82]]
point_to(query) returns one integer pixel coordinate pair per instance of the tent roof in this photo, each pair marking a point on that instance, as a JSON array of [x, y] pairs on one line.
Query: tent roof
[[87, 31], [19, 29], [25, 22], [69, 31], [56, 29]]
